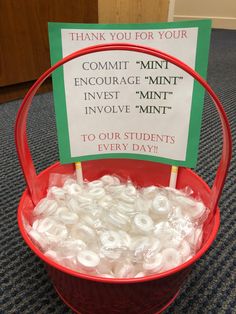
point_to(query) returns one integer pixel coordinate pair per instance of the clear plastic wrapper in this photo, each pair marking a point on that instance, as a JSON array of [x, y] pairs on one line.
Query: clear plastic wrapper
[[111, 228]]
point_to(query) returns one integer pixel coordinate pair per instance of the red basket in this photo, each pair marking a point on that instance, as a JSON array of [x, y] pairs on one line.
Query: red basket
[[94, 295]]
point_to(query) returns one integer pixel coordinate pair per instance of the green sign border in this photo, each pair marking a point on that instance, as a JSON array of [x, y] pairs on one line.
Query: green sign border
[[201, 62]]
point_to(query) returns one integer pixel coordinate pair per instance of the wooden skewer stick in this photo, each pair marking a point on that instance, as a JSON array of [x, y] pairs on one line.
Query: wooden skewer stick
[[79, 173], [173, 176]]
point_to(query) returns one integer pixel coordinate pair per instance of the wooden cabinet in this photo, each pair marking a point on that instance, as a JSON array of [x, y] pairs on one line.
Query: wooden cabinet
[[133, 11], [24, 47]]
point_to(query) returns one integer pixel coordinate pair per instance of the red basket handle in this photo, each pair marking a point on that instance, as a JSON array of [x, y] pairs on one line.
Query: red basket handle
[[24, 154]]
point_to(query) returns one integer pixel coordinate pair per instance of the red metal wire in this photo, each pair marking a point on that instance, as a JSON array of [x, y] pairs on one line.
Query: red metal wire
[[20, 126]]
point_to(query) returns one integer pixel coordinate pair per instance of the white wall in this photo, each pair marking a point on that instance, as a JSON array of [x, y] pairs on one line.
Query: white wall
[[222, 12]]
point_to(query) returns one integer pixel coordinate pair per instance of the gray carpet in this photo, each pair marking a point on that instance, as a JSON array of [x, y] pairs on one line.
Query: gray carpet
[[25, 287]]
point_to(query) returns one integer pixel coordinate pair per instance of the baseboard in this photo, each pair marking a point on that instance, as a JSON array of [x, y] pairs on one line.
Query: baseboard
[[217, 21], [13, 92]]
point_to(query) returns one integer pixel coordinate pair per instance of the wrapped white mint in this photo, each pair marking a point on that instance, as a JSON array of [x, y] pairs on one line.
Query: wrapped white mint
[[116, 230]]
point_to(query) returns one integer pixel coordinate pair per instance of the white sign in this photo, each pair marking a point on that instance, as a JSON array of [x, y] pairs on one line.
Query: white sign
[[128, 103]]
